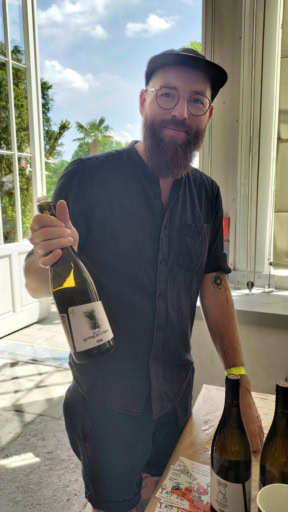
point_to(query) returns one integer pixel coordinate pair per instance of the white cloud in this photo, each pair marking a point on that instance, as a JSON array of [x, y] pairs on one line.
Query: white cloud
[[51, 15], [82, 97], [127, 133], [74, 17], [102, 91], [153, 25], [69, 11], [67, 78], [98, 32]]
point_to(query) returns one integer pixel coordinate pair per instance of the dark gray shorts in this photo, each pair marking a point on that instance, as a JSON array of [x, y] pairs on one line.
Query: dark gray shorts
[[115, 448]]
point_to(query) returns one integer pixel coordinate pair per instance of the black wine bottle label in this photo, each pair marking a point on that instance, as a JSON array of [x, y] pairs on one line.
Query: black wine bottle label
[[90, 326], [228, 496]]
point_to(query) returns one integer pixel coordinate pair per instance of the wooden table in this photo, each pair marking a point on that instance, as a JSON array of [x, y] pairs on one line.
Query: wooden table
[[195, 441]]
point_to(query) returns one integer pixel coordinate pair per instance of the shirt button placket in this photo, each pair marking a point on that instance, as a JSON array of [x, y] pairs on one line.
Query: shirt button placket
[[160, 317], [161, 282]]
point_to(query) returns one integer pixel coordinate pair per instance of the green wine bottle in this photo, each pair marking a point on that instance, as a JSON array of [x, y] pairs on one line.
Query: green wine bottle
[[231, 456], [83, 317], [274, 455]]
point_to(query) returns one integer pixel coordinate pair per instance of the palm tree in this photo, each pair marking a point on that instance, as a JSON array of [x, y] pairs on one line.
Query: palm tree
[[93, 132]]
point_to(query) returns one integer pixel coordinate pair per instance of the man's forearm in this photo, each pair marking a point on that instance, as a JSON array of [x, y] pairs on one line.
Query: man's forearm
[[218, 310], [37, 279], [220, 316]]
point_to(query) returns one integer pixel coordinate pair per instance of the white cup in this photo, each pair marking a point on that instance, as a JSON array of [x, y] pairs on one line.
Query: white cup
[[273, 498]]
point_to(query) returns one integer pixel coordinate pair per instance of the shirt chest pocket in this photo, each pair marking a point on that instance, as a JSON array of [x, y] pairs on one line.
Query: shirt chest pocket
[[193, 247]]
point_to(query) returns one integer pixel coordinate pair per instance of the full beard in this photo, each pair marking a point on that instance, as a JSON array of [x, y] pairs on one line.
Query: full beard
[[169, 157]]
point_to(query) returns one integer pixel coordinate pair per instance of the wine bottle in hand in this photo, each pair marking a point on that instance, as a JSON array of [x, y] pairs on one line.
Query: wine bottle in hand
[[274, 455], [81, 312], [231, 456]]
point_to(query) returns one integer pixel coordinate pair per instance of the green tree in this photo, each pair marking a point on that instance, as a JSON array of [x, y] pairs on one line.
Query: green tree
[[53, 173], [109, 143], [54, 148], [7, 189], [93, 130], [94, 138], [106, 143], [52, 143], [52, 138], [196, 45], [92, 134], [82, 150]]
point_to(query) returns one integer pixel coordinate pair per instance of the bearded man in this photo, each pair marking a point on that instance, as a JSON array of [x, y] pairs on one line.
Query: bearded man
[[148, 226]]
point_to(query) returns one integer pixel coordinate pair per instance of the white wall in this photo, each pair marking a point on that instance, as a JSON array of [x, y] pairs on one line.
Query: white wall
[[264, 340], [219, 158], [239, 150]]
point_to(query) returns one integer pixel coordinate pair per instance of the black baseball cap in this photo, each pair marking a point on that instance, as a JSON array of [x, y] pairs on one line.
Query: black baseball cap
[[190, 58]]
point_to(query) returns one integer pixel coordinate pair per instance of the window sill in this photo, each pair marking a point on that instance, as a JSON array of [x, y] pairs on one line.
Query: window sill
[[274, 302], [259, 307]]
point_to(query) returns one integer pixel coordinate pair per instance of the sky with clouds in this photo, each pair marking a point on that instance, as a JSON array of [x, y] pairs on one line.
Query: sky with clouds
[[94, 52]]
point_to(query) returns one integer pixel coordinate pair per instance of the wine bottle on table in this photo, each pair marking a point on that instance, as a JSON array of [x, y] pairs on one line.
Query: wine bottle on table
[[230, 489], [83, 317], [274, 455]]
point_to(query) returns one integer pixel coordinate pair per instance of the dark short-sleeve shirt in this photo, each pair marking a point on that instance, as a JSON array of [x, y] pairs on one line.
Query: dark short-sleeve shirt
[[147, 261]]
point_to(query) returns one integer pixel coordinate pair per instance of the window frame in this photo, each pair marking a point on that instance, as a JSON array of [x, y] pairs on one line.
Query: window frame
[[31, 67]]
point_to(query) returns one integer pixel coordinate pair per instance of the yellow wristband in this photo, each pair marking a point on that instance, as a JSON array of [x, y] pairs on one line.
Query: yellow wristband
[[236, 370]]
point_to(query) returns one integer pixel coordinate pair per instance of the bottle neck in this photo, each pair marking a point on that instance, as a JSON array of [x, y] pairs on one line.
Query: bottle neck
[[281, 405], [232, 393], [46, 207]]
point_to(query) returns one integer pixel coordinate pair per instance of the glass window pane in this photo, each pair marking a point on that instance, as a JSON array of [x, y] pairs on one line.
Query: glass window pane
[[25, 179], [16, 30], [7, 199], [21, 110], [5, 137], [2, 37]]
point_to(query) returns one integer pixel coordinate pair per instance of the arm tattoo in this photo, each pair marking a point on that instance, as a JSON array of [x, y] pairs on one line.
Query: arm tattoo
[[217, 281]]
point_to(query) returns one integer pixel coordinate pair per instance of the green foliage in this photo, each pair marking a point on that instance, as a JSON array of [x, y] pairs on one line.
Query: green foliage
[[53, 148], [7, 188], [83, 149], [53, 173], [7, 198], [94, 136], [93, 130], [20, 103], [52, 144], [95, 133], [52, 138], [109, 143], [25, 177], [105, 144], [196, 45], [5, 138]]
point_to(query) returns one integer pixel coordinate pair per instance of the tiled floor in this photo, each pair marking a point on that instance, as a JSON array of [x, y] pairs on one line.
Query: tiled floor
[[38, 470], [43, 343], [47, 333]]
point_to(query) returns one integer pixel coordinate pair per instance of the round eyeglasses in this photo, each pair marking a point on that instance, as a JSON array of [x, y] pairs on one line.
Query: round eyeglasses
[[167, 98]]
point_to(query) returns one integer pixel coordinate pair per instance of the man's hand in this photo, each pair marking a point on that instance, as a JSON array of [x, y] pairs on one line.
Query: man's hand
[[250, 415], [50, 234]]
